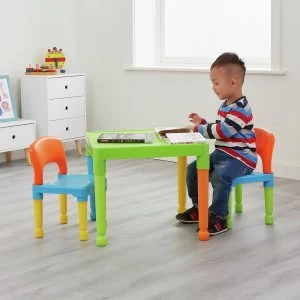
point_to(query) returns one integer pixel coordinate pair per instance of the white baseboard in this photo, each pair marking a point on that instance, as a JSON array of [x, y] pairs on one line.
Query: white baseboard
[[284, 170], [20, 154], [17, 154], [281, 170]]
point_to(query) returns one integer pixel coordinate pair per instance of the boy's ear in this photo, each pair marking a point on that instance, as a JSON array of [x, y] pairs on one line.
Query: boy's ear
[[234, 81]]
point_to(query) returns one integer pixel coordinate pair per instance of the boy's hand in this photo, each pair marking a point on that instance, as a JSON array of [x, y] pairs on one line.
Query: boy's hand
[[195, 119], [190, 127]]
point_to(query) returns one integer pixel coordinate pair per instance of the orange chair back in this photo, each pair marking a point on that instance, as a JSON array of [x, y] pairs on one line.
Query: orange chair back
[[264, 147], [47, 150]]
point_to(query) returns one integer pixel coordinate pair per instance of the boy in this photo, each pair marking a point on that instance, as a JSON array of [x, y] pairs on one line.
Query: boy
[[235, 149]]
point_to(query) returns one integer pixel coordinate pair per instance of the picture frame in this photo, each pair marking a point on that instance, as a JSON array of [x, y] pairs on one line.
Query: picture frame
[[7, 101]]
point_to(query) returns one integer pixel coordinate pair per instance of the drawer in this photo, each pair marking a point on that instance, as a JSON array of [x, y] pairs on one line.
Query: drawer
[[17, 137], [68, 128], [66, 108], [62, 87]]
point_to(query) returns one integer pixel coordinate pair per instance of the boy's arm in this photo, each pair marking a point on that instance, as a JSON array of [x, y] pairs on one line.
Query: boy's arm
[[235, 121]]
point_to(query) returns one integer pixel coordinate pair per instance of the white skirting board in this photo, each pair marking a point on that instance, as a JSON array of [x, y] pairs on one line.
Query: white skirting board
[[288, 171], [19, 154], [281, 170]]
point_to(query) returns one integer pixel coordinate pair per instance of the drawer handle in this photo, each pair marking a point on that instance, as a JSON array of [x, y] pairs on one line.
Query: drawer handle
[[66, 87], [66, 108], [67, 128], [13, 137]]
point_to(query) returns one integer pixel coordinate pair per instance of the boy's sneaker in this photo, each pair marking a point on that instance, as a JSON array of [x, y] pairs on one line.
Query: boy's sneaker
[[189, 216], [216, 224]]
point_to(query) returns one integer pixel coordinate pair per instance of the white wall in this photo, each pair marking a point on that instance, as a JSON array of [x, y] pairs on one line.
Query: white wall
[[28, 29], [99, 43], [139, 99]]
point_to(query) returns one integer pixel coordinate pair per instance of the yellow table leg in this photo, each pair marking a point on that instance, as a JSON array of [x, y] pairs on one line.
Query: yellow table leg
[[181, 168]]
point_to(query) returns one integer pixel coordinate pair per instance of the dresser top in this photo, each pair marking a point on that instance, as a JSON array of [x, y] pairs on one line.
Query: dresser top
[[54, 76], [16, 123]]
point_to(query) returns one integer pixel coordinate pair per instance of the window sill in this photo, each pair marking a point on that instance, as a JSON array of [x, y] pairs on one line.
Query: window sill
[[199, 70]]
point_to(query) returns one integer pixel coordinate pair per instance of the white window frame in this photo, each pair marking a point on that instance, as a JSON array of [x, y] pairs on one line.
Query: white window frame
[[178, 63]]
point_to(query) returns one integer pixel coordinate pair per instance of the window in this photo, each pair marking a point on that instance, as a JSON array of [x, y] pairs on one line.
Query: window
[[192, 33]]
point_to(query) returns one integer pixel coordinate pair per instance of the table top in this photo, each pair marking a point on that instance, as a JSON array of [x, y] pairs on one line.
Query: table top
[[159, 148]]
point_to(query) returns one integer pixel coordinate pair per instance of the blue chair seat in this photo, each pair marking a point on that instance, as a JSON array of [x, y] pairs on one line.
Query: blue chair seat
[[268, 179], [78, 185]]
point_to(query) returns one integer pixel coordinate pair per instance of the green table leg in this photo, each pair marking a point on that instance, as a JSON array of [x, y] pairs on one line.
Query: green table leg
[[100, 199]]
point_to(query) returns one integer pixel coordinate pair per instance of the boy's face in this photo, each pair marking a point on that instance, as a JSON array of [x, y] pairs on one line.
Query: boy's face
[[222, 83]]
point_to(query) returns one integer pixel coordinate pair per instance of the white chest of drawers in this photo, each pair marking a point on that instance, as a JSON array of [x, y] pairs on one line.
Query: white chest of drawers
[[16, 135], [57, 103]]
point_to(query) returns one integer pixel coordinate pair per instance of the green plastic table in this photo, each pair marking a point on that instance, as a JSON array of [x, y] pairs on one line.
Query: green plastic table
[[101, 152]]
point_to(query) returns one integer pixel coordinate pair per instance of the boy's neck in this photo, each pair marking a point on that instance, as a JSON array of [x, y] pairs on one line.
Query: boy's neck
[[233, 98]]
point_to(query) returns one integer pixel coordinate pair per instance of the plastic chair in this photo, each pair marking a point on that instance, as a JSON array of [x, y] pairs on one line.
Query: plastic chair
[[47, 150], [264, 147]]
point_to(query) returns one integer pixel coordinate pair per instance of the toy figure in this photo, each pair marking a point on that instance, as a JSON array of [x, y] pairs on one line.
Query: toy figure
[[55, 58]]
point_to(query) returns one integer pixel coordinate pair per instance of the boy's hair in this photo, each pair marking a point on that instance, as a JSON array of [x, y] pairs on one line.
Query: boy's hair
[[229, 59]]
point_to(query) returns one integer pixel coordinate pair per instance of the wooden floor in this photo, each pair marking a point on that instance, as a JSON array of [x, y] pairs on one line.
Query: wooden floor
[[149, 255]]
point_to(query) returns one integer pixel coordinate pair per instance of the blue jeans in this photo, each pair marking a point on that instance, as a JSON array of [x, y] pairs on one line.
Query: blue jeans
[[223, 170]]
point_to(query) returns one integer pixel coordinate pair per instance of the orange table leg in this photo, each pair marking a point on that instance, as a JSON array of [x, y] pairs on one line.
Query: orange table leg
[[181, 168], [203, 234]]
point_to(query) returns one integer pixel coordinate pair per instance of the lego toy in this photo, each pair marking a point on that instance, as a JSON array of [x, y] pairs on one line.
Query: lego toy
[[54, 61]]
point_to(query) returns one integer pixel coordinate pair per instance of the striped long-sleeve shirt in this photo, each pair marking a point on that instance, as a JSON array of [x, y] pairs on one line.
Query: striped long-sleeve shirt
[[233, 131]]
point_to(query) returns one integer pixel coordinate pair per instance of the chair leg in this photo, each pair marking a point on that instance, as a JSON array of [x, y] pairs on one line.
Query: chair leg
[[93, 207], [239, 198], [38, 217], [269, 219], [229, 216], [82, 216], [63, 207], [90, 168]]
